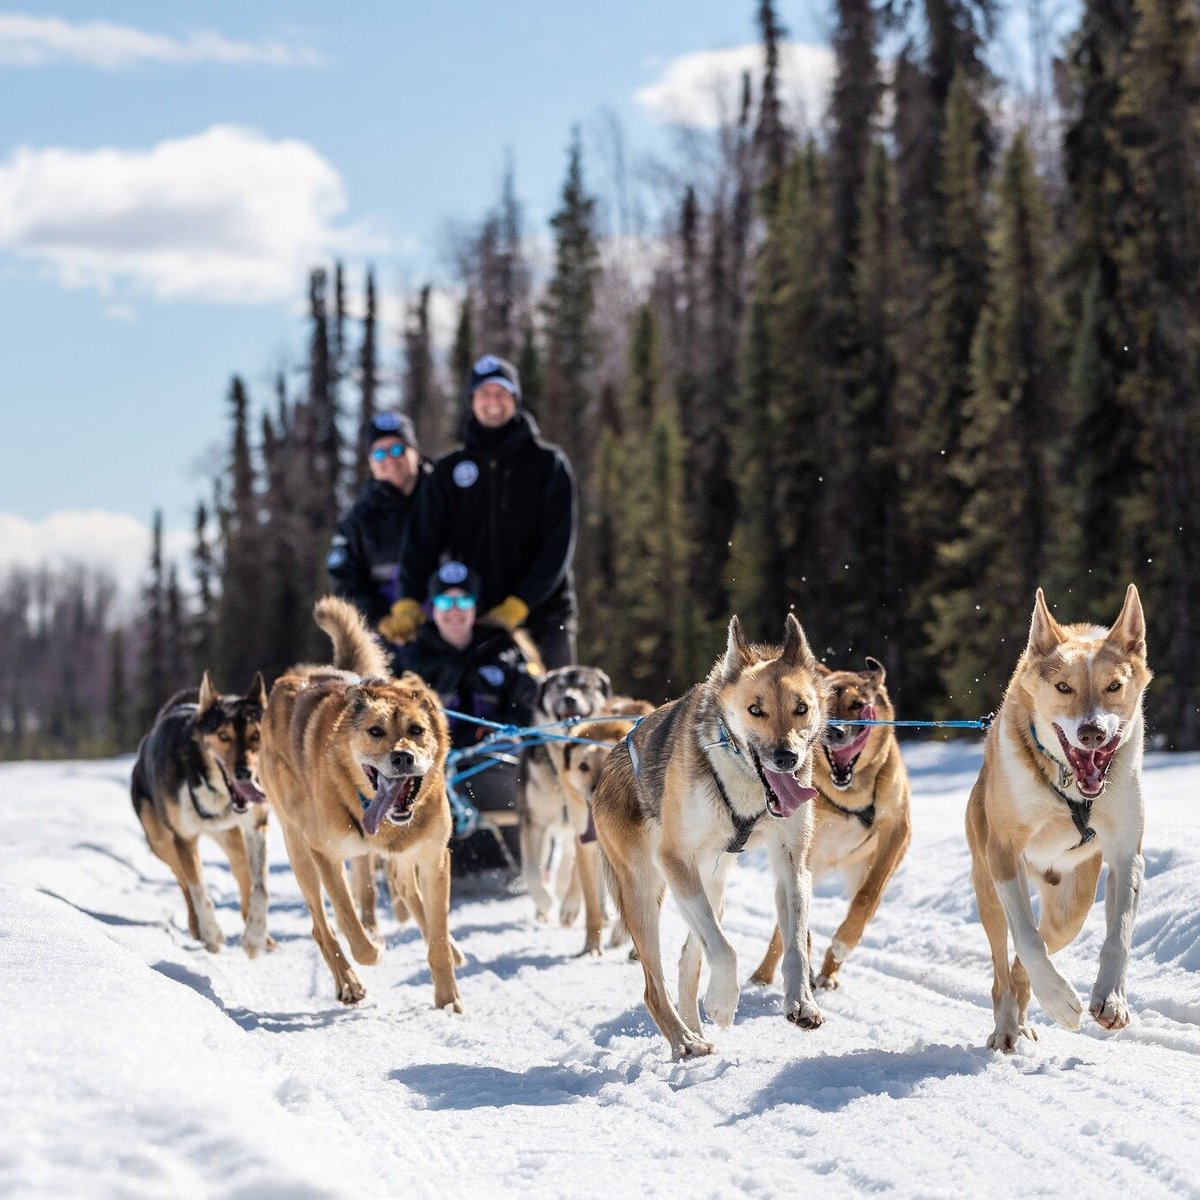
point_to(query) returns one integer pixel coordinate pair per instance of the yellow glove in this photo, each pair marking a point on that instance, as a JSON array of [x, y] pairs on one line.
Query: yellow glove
[[510, 612], [403, 621]]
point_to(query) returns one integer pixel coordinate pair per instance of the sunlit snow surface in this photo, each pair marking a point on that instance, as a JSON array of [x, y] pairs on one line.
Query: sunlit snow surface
[[134, 1063]]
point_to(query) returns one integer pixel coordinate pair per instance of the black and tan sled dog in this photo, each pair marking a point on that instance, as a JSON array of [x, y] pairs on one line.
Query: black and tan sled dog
[[862, 812], [726, 766], [196, 773], [355, 765]]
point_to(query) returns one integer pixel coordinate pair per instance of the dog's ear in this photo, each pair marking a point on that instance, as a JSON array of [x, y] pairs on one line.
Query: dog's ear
[[822, 669], [356, 701], [1129, 629], [605, 683], [1045, 633], [737, 650], [876, 670], [796, 650], [258, 691], [208, 694]]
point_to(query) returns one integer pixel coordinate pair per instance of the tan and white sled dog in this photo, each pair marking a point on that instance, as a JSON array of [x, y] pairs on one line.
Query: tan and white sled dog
[[354, 763], [726, 766], [1060, 792], [196, 772], [862, 827]]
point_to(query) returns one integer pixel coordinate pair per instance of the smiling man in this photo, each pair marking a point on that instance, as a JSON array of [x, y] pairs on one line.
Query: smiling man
[[503, 504]]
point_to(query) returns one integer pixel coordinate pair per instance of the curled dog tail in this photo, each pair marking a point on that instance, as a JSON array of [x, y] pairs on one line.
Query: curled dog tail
[[354, 648]]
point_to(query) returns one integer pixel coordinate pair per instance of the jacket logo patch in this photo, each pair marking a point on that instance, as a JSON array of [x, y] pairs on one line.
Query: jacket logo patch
[[492, 674], [465, 473]]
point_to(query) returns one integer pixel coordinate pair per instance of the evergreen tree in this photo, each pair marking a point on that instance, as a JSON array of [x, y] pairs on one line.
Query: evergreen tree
[[368, 375], [200, 636], [418, 391], [1007, 468], [771, 136], [322, 401], [154, 681]]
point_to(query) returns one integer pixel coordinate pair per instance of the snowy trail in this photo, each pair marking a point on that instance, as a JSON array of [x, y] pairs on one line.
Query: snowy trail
[[136, 1064]]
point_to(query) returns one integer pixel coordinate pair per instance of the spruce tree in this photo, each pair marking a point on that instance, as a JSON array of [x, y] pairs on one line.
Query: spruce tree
[[153, 681], [368, 375], [419, 396]]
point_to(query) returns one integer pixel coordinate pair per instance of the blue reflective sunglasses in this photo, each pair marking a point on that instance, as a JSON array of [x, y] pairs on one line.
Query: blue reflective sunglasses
[[380, 453], [444, 603]]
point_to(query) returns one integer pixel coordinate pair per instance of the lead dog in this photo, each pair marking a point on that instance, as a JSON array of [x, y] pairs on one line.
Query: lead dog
[[1060, 792], [354, 763], [726, 766], [195, 774], [862, 812]]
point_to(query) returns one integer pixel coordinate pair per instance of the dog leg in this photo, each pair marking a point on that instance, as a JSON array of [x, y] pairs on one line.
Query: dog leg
[[365, 948], [573, 900], [1010, 1017], [206, 916], [345, 980], [793, 899], [437, 917], [722, 994], [587, 864], [1054, 993], [255, 938], [398, 889], [162, 842], [1108, 1004], [362, 884], [534, 852], [234, 846], [764, 974], [893, 842], [404, 877]]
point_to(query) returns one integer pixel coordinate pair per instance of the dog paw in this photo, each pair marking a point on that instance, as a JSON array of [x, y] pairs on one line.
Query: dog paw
[[1005, 1037], [213, 940], [350, 990], [591, 949], [1059, 1000], [1111, 1011], [569, 913], [542, 917], [827, 983], [456, 954], [805, 1014], [449, 1003], [721, 998], [687, 1044], [270, 944], [367, 952], [762, 978]]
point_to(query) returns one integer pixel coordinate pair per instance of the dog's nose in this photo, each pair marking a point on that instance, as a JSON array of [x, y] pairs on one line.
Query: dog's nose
[[785, 759], [241, 774], [1091, 737], [402, 760]]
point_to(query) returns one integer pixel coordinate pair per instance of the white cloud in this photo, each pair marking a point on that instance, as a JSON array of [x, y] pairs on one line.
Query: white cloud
[[115, 541], [226, 215], [27, 41], [704, 89]]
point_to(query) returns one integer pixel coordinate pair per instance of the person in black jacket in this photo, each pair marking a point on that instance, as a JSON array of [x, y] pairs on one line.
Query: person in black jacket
[[476, 668], [505, 505], [364, 557]]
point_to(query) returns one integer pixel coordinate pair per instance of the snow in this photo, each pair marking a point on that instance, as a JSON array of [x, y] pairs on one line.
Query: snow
[[133, 1063]]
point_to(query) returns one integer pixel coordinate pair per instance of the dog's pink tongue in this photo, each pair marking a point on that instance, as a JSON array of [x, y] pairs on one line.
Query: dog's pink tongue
[[248, 792], [852, 749], [385, 796], [790, 794]]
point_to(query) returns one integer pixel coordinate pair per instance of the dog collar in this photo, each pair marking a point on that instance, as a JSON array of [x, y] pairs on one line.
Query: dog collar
[[1081, 810], [866, 814]]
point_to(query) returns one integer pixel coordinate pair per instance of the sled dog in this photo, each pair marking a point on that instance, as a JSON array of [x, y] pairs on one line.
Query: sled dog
[[862, 826], [196, 772], [354, 763], [726, 766], [1059, 793], [546, 836]]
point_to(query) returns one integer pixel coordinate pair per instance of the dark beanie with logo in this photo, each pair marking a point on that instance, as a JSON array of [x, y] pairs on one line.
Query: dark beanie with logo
[[491, 369], [387, 424], [454, 574]]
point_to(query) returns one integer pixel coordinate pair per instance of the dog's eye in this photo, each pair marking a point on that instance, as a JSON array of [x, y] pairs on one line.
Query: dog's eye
[[584, 768], [1065, 688], [376, 731], [1115, 686], [415, 730], [755, 710], [224, 737], [802, 708]]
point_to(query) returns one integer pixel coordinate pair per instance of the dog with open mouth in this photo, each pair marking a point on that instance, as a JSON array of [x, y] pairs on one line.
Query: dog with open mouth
[[727, 766], [863, 826], [196, 773], [354, 763], [1059, 794]]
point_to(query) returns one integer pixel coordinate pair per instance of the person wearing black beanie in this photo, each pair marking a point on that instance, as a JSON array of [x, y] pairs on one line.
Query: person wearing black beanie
[[504, 504]]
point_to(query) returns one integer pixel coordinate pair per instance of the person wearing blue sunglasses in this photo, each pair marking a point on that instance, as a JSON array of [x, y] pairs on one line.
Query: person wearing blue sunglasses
[[364, 556]]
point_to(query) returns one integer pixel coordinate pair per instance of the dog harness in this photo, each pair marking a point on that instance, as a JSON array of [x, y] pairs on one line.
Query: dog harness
[[866, 814], [1081, 810]]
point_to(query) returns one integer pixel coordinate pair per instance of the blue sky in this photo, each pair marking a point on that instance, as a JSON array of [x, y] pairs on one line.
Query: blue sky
[[122, 324], [167, 173]]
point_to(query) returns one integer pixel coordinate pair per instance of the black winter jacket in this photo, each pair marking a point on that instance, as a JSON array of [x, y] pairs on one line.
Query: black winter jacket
[[364, 556], [489, 678], [505, 505]]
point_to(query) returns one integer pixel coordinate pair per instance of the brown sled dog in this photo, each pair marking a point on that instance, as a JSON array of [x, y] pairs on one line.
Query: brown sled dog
[[862, 816], [354, 763], [1059, 793], [727, 765]]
